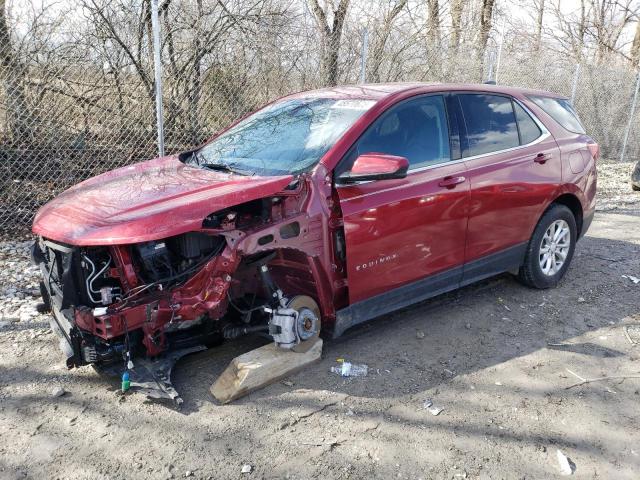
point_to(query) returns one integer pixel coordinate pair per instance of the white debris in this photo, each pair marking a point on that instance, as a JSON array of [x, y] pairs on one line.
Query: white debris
[[246, 468], [566, 465], [419, 334], [435, 411], [57, 392], [348, 369], [635, 280]]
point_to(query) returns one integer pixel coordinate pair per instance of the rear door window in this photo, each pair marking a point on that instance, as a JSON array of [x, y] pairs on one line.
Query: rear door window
[[528, 128], [561, 110], [490, 123]]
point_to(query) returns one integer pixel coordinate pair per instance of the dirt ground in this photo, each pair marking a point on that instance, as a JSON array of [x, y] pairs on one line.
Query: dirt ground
[[502, 361]]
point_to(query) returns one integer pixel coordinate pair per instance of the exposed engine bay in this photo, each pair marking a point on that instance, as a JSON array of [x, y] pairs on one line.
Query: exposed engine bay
[[248, 270]]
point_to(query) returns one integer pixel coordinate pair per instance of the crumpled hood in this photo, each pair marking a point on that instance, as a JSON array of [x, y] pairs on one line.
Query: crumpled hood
[[146, 201]]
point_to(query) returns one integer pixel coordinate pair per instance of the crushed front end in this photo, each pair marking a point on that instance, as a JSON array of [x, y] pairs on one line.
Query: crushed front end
[[110, 303], [258, 267]]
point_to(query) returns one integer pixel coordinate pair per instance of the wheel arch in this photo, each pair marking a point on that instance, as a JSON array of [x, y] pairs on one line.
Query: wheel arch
[[295, 271], [572, 202]]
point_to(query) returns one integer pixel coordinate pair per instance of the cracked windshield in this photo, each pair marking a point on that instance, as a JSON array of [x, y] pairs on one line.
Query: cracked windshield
[[287, 137]]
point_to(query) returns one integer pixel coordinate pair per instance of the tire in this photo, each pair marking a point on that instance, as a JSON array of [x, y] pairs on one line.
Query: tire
[[635, 178], [541, 270]]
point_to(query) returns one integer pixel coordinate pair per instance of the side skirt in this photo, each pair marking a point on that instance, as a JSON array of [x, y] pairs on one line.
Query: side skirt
[[428, 287]]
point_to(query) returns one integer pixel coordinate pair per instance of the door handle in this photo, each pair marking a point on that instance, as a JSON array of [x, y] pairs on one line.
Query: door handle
[[451, 182], [542, 158]]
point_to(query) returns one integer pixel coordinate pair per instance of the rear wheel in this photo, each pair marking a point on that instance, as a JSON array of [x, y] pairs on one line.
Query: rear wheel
[[550, 248]]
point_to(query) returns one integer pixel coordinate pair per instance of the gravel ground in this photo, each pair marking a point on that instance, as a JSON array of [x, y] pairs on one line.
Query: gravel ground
[[501, 360]]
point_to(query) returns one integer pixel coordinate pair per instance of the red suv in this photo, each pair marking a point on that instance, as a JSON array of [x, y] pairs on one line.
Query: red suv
[[322, 209]]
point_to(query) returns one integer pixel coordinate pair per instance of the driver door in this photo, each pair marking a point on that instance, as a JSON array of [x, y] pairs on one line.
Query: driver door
[[407, 232]]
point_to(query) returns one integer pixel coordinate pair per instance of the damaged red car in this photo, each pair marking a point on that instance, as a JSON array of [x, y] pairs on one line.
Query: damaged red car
[[320, 211]]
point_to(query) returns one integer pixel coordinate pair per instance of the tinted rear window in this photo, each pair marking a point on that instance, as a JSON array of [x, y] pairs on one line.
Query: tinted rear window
[[528, 128], [490, 123], [561, 111]]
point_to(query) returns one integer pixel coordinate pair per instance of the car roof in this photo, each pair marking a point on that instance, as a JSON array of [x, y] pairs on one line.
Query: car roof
[[381, 91]]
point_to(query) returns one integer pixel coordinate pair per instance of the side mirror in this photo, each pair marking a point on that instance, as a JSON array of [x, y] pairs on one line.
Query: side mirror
[[375, 166]]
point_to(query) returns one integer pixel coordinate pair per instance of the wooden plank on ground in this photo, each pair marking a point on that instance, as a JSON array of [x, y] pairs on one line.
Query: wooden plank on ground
[[259, 368]]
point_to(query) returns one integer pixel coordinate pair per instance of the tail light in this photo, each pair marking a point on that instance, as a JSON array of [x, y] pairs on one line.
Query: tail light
[[594, 148]]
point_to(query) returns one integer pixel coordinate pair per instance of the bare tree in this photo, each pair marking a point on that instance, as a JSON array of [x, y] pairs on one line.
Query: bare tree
[[486, 14], [382, 35], [607, 24], [433, 25], [12, 73], [539, 7], [635, 47], [331, 33], [596, 30], [571, 30], [456, 23]]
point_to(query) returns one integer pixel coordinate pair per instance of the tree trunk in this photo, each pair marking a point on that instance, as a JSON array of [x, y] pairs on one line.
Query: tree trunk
[[635, 48], [433, 33], [21, 122], [485, 24], [539, 19], [331, 36], [456, 22]]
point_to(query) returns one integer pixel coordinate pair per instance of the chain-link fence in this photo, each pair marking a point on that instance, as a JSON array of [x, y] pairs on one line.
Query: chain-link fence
[[77, 88]]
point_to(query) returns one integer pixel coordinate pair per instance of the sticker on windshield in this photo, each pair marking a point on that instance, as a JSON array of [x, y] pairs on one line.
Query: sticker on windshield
[[354, 104]]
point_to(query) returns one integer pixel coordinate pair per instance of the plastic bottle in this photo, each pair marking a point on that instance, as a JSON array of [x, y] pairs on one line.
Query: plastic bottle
[[126, 383], [348, 369]]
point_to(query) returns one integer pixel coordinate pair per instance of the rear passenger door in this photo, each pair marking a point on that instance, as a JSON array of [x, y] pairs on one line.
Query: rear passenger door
[[513, 165]]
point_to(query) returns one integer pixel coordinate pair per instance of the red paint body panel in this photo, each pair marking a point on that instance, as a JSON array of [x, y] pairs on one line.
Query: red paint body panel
[[399, 231], [509, 192], [146, 201], [396, 231], [378, 163]]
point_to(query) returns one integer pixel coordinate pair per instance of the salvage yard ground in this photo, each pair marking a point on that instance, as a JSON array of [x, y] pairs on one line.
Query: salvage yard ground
[[504, 362]]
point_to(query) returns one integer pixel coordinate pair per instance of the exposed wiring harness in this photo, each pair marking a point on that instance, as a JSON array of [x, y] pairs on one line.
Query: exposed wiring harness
[[244, 311], [168, 280]]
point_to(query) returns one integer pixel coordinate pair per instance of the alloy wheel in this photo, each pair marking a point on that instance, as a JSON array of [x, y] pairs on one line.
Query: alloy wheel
[[554, 247]]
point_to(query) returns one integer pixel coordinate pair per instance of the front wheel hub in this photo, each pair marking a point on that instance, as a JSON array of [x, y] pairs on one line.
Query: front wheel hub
[[307, 322]]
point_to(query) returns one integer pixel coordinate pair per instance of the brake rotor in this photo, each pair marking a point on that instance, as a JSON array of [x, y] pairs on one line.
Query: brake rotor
[[308, 322]]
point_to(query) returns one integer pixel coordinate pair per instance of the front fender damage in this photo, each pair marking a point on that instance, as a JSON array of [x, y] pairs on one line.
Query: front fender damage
[[140, 307]]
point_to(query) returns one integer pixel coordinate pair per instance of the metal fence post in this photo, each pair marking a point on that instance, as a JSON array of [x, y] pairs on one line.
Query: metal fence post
[[155, 25], [502, 32], [631, 113], [363, 55], [574, 87], [491, 59]]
